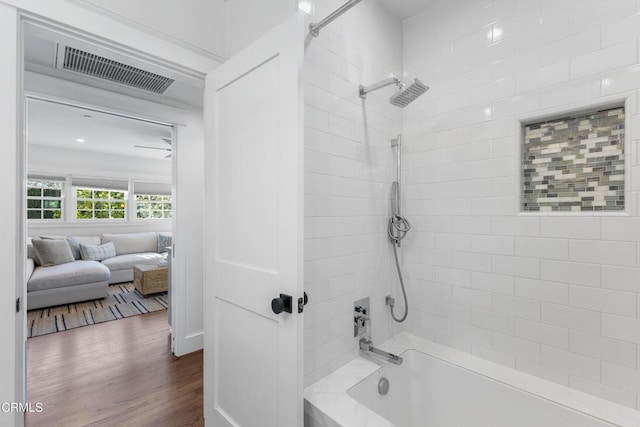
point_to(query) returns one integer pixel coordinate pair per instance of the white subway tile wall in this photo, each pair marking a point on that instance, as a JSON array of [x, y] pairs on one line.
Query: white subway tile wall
[[556, 296], [349, 166]]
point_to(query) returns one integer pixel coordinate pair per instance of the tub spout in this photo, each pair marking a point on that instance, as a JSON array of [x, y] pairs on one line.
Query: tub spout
[[367, 345]]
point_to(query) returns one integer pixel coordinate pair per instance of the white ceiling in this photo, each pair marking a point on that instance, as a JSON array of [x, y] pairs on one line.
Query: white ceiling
[[404, 9], [57, 125]]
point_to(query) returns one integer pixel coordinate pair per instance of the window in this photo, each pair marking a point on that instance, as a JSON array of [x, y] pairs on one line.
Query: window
[[153, 200], [153, 206], [44, 199], [575, 163], [97, 199], [92, 203]]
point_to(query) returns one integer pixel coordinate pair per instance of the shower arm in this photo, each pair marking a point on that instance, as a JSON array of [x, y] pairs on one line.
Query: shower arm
[[387, 82], [314, 28]]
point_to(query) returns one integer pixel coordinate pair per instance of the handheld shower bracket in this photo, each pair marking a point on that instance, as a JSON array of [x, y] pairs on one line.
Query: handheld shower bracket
[[397, 229]]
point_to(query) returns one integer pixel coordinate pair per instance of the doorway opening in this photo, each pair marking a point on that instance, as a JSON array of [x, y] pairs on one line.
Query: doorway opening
[[103, 160]]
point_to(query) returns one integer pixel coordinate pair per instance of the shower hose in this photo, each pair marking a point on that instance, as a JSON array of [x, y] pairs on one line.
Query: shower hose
[[397, 230]]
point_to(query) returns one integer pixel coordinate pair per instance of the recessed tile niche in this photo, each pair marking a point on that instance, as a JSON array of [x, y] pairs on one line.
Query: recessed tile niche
[[575, 163]]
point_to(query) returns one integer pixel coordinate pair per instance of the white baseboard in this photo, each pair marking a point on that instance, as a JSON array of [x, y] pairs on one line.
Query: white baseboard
[[189, 344]]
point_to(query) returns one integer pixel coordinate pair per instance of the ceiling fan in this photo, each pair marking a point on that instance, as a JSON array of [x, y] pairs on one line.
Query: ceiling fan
[[169, 149]]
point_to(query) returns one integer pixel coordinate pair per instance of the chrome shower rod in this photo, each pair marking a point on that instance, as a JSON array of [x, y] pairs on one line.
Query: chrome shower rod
[[315, 28]]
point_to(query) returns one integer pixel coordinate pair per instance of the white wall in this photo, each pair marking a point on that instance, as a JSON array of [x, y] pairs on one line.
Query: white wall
[[12, 330], [189, 234], [58, 160], [96, 229], [348, 169], [556, 296], [196, 24], [246, 20]]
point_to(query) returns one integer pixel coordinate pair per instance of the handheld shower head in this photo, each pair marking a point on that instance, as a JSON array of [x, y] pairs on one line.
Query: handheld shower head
[[407, 94], [395, 198]]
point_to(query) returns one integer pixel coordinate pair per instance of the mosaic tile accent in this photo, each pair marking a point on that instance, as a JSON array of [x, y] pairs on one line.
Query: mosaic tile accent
[[575, 163]]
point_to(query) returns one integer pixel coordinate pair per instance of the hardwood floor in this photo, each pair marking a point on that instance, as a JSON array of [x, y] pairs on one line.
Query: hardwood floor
[[118, 373]]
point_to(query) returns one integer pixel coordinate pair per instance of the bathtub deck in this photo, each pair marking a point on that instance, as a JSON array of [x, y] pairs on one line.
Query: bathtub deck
[[327, 400]]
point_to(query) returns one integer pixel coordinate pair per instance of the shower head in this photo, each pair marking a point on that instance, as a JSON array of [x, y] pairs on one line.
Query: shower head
[[407, 94]]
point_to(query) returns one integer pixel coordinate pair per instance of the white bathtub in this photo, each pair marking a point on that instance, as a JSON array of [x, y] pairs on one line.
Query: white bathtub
[[437, 386]]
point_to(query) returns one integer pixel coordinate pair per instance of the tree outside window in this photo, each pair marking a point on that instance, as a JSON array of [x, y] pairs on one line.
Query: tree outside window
[[100, 204], [153, 206], [44, 199]]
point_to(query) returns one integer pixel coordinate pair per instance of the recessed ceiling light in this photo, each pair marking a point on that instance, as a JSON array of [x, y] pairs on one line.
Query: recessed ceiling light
[[79, 140]]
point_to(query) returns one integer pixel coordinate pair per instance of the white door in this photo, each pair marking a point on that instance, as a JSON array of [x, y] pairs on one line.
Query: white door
[[254, 233]]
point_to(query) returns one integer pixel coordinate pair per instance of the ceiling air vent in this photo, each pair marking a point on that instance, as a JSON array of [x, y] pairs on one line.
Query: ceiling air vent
[[98, 66]]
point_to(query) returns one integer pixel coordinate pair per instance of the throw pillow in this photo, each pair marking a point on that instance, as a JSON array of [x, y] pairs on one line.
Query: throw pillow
[[52, 252], [31, 253], [97, 252], [164, 240], [75, 247]]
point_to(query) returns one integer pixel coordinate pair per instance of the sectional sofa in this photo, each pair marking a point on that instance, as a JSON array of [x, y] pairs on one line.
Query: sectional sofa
[[68, 269]]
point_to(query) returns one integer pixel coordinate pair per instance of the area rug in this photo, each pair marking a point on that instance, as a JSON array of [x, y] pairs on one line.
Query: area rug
[[123, 301]]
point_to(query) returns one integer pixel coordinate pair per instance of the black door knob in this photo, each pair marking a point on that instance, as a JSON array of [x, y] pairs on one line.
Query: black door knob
[[306, 298], [283, 303]]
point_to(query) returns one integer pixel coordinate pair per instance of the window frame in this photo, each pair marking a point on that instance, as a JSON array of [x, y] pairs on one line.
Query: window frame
[[164, 210], [42, 198], [93, 200]]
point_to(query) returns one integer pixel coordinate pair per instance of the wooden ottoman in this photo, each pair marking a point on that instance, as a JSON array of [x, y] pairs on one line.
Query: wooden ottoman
[[150, 279]]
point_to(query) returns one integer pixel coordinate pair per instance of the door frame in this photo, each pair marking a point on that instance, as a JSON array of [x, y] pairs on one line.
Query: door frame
[[167, 114]]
